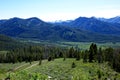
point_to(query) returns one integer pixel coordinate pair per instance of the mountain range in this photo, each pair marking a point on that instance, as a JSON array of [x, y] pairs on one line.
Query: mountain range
[[101, 26], [111, 20], [80, 29]]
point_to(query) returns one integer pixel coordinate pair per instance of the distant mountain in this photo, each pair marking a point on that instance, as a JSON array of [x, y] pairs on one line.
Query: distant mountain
[[80, 29], [16, 26], [2, 21], [94, 25], [111, 20]]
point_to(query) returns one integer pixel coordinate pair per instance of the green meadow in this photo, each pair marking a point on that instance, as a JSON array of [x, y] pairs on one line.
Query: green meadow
[[58, 70]]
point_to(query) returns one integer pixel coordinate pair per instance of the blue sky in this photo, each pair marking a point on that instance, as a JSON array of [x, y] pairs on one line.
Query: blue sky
[[51, 10]]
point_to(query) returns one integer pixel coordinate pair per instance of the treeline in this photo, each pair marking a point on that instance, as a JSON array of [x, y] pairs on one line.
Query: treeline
[[35, 53], [110, 55], [32, 53], [94, 54]]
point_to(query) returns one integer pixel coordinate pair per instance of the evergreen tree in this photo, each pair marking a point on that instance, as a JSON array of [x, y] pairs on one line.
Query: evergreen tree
[[77, 55], [40, 61], [73, 65], [49, 58], [109, 54], [92, 52], [116, 60], [100, 56], [64, 55], [71, 53], [85, 56], [60, 54]]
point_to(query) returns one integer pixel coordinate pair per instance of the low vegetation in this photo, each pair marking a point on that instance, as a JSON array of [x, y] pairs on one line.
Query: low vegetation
[[59, 69], [49, 62]]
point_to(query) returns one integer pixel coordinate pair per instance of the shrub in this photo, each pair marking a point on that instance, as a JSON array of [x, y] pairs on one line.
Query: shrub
[[73, 65]]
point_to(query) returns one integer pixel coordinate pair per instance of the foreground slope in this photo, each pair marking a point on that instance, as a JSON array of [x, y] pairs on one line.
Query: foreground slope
[[62, 70]]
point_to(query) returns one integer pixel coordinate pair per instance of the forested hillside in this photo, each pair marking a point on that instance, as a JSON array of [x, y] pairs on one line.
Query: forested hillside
[[7, 43]]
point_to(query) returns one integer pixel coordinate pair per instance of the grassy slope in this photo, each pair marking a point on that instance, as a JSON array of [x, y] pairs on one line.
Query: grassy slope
[[6, 68], [59, 69]]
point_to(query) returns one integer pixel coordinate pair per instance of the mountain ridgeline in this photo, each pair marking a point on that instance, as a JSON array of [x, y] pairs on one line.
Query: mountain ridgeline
[[80, 29], [95, 25]]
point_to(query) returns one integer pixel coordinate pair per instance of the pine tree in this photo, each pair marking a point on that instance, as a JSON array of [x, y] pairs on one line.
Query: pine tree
[[100, 56], [71, 53], [92, 52], [49, 58], [73, 65], [77, 55], [85, 56]]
